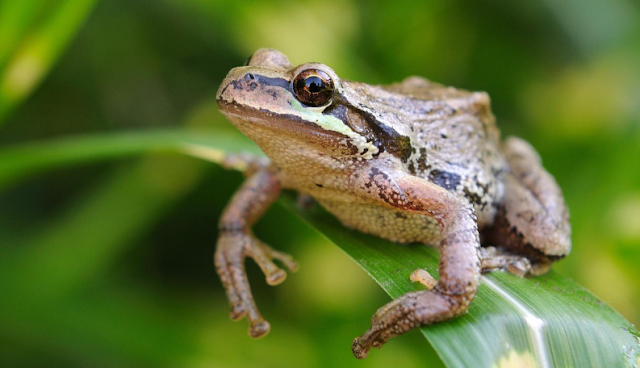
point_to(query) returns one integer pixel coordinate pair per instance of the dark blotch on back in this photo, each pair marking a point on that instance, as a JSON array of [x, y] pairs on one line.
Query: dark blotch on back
[[396, 144], [422, 161], [447, 180]]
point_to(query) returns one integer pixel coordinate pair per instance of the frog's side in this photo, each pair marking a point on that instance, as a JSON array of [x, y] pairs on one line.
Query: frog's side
[[446, 136], [410, 162]]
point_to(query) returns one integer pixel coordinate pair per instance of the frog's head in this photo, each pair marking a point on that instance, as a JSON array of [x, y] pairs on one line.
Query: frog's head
[[283, 108]]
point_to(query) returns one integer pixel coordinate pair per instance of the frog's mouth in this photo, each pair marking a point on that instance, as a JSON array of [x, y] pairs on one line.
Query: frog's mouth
[[287, 126]]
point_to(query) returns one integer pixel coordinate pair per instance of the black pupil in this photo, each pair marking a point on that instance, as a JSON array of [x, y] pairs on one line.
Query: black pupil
[[313, 87], [314, 84]]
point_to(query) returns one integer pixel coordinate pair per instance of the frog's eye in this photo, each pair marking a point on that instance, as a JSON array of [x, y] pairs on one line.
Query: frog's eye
[[313, 87]]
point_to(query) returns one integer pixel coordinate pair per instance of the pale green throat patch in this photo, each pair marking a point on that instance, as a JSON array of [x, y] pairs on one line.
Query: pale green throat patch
[[328, 122]]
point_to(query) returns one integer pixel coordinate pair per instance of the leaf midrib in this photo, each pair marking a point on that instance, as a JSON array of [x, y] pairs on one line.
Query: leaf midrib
[[535, 323]]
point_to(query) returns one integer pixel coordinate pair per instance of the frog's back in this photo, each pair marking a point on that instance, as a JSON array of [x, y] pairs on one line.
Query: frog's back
[[454, 139]]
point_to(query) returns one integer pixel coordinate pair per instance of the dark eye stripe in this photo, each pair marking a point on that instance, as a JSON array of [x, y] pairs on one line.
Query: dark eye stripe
[[268, 81]]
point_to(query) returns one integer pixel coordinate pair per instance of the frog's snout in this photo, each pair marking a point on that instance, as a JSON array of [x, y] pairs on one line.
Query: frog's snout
[[232, 84]]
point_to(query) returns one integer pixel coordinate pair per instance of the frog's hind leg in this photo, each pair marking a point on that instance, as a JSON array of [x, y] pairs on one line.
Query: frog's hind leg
[[236, 242], [459, 267], [532, 220]]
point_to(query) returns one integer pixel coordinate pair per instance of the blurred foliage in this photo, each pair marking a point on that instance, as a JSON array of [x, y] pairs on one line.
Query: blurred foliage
[[110, 264]]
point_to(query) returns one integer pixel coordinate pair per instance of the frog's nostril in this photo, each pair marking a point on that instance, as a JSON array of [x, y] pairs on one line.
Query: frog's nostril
[[250, 81]]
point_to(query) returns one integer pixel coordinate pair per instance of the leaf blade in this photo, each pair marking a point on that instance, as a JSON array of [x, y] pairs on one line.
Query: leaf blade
[[577, 330]]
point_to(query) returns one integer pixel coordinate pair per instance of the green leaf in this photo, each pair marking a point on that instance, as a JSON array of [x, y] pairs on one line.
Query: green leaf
[[541, 321], [532, 322]]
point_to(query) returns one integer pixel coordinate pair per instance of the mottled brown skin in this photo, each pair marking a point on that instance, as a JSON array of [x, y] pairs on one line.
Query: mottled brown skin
[[410, 162]]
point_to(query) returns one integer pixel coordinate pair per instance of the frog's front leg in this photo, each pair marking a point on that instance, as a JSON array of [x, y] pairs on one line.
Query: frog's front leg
[[236, 242], [532, 220], [459, 267]]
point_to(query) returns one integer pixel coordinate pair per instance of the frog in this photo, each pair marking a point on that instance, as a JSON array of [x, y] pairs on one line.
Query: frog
[[411, 162]]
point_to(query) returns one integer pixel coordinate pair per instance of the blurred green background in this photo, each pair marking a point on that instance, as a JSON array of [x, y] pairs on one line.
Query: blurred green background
[[110, 264]]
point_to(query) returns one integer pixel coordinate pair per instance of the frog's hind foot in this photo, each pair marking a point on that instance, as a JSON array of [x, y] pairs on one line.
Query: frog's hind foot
[[231, 252], [493, 259], [411, 310]]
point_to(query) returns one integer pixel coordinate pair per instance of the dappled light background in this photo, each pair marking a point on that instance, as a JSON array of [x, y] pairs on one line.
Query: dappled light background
[[110, 264]]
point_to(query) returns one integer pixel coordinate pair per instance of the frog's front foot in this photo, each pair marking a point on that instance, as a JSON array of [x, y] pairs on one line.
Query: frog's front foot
[[411, 310], [233, 248]]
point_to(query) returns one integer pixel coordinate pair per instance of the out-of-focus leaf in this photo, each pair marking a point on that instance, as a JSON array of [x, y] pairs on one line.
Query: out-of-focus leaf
[[84, 239], [148, 195], [21, 160], [543, 321], [15, 19], [60, 296], [40, 46]]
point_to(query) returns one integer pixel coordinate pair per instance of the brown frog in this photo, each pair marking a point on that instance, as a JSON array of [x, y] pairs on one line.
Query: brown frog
[[414, 161]]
